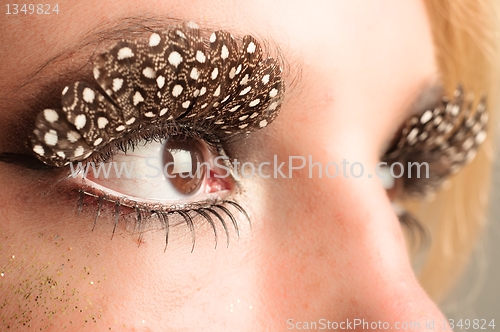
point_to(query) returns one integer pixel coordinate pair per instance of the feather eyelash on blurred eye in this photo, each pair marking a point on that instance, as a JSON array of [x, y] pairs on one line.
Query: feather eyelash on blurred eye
[[177, 79], [446, 137]]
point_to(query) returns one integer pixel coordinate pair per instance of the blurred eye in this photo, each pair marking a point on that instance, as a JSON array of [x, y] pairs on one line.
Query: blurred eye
[[174, 170]]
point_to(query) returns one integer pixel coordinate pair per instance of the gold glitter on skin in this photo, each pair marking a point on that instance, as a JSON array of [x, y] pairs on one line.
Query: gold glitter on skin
[[34, 293]]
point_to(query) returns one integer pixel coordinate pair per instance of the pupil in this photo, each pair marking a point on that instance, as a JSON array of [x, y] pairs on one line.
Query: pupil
[[181, 158]]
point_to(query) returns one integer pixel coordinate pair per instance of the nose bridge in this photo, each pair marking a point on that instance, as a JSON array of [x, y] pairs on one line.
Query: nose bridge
[[381, 280], [358, 241]]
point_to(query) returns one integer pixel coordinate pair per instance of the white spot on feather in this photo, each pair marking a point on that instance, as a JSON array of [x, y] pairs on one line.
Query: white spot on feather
[[200, 57], [80, 121], [175, 58], [254, 102], [480, 137], [149, 72], [50, 115], [39, 150], [102, 122], [154, 40], [224, 52], [273, 106], [251, 47], [160, 81], [73, 136], [117, 84], [234, 108], [245, 90], [125, 53], [217, 92], [88, 95], [195, 74], [177, 90], [137, 98], [214, 74], [79, 151], [426, 117]]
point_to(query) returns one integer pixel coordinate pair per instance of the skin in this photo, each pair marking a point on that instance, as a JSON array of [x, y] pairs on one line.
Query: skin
[[318, 247]]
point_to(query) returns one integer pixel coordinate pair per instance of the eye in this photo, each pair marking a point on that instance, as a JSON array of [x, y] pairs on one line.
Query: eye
[[170, 171], [436, 143], [157, 109]]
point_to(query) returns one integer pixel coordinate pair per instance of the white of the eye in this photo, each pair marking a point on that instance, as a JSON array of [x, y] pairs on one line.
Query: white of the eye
[[147, 181], [385, 176]]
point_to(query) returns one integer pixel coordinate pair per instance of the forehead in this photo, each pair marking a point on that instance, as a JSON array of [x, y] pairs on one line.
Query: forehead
[[329, 30]]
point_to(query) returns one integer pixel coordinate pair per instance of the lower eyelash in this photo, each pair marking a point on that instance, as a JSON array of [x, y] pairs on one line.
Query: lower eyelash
[[211, 211], [418, 233]]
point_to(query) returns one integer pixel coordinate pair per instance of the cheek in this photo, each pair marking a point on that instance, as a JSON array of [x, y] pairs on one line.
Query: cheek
[[47, 275], [58, 268], [66, 271]]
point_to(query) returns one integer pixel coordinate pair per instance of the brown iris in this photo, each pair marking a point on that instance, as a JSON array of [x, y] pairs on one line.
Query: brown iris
[[182, 159]]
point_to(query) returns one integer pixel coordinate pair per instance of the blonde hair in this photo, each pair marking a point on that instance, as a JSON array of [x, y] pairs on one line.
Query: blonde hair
[[465, 34]]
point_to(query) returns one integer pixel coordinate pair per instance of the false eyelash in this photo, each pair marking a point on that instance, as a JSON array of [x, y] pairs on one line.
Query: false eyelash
[[447, 138], [154, 134], [216, 86], [209, 210]]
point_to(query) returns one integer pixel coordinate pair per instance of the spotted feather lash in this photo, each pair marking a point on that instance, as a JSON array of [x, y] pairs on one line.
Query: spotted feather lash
[[447, 138], [176, 78]]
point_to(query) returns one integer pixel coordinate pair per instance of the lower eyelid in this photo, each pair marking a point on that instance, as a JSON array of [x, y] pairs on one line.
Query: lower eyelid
[[98, 191]]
